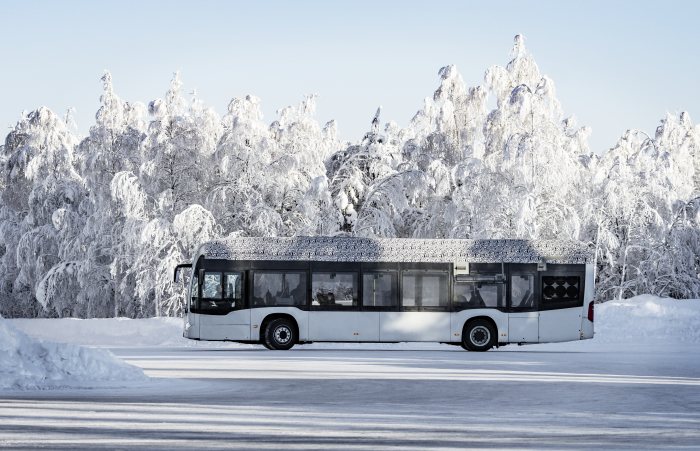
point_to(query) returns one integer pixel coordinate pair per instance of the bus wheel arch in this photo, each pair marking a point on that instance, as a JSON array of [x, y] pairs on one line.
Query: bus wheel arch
[[279, 331], [479, 334]]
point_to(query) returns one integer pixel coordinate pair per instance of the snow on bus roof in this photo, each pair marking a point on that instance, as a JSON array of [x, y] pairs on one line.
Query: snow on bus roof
[[352, 249]]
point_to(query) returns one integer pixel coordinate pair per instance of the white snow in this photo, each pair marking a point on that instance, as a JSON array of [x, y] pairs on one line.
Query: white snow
[[108, 332], [29, 363], [625, 389], [648, 319]]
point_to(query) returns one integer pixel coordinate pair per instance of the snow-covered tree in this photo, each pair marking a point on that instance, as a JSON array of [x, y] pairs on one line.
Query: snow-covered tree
[[94, 227], [112, 146], [41, 202]]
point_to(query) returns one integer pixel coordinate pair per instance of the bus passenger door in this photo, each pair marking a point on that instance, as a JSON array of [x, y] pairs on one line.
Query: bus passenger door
[[523, 317], [223, 315], [335, 313], [424, 312]]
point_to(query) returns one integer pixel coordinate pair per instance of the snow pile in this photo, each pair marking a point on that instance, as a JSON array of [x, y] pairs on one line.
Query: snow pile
[[648, 319], [27, 363]]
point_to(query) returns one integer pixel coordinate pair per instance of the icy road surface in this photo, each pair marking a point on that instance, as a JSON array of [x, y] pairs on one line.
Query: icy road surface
[[581, 395]]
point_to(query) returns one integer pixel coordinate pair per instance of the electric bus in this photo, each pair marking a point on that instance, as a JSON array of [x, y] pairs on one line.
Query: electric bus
[[479, 294]]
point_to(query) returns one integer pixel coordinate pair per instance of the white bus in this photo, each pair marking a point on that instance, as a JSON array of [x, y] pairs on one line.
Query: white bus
[[279, 292]]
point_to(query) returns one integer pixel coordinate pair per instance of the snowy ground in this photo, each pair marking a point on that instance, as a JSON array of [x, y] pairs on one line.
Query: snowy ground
[[604, 393]]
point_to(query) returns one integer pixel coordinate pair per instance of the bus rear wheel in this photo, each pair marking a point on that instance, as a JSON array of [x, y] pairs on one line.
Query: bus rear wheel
[[478, 335], [280, 334]]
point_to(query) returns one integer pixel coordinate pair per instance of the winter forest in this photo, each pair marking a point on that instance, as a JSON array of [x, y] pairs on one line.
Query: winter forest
[[93, 226]]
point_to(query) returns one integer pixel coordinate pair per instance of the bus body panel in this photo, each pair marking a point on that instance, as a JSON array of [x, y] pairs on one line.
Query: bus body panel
[[259, 314], [459, 319], [587, 330], [560, 325], [523, 327], [232, 326], [414, 326], [191, 326], [343, 326]]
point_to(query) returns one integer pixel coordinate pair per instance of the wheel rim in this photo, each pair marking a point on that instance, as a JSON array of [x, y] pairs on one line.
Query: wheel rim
[[283, 334], [480, 335]]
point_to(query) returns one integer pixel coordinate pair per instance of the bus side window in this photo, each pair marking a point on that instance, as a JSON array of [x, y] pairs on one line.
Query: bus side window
[[280, 289], [424, 289], [232, 289], [478, 295], [522, 291], [334, 289], [379, 289]]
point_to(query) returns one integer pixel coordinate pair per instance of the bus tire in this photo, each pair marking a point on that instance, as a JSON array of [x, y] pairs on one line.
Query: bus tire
[[478, 335], [280, 334]]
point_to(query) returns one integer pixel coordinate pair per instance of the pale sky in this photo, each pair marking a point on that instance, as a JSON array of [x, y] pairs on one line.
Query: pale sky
[[616, 65]]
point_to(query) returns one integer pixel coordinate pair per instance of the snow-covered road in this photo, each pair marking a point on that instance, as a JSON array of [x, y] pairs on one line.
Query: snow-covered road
[[582, 395]]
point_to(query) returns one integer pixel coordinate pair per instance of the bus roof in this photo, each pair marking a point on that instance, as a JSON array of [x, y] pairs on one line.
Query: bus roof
[[352, 249]]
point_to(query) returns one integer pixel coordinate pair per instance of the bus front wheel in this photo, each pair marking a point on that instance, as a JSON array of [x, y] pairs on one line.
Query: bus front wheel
[[478, 335], [280, 334]]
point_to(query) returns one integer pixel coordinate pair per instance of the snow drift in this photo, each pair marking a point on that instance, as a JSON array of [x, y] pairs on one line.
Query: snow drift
[[114, 332], [648, 319], [28, 363]]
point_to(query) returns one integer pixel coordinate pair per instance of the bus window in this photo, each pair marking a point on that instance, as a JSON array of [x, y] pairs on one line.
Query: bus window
[[379, 289], [279, 289], [334, 290], [522, 292], [424, 290], [232, 289], [212, 285], [478, 295]]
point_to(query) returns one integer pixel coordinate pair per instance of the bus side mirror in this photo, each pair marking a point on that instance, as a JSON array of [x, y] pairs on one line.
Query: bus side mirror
[[201, 277], [178, 268]]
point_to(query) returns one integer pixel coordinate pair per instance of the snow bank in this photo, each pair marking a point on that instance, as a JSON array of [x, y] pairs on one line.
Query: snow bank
[[116, 332], [648, 319], [645, 320], [28, 363]]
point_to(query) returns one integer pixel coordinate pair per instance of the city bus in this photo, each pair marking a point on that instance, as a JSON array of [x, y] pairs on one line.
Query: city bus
[[479, 294]]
